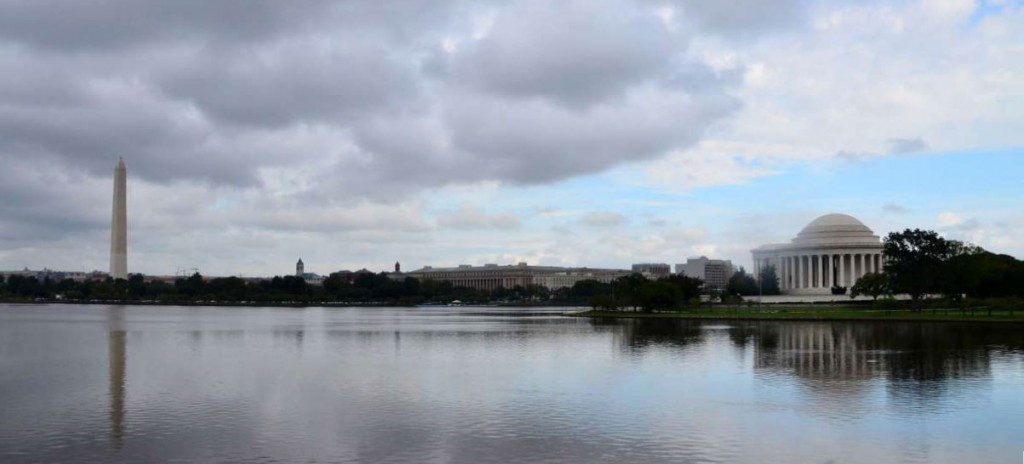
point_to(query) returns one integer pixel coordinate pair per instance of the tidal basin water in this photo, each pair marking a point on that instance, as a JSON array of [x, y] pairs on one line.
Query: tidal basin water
[[486, 385]]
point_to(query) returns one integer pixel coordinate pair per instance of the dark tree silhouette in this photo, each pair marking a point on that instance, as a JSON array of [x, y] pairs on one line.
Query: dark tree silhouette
[[872, 284], [741, 283], [769, 281], [914, 261]]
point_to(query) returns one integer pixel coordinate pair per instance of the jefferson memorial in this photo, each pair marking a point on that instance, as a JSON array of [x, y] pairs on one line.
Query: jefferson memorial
[[835, 249]]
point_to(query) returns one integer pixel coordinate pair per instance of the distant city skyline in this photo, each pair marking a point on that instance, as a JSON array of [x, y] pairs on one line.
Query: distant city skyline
[[595, 134]]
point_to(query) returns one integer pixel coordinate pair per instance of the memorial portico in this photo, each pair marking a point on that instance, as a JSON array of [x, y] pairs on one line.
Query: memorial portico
[[833, 250]]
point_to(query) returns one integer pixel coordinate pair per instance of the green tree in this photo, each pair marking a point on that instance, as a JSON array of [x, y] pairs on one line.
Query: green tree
[[689, 287], [605, 302], [769, 281], [961, 271], [136, 286], [742, 284], [914, 261], [627, 289], [872, 284], [660, 295]]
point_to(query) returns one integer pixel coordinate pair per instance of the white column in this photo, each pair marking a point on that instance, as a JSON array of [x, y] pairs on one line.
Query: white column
[[805, 276], [812, 265], [782, 273], [842, 270], [790, 272], [808, 271], [824, 270], [854, 272], [823, 282], [823, 263], [852, 276], [800, 271], [828, 271], [805, 279], [779, 271], [816, 261], [853, 269], [856, 268]]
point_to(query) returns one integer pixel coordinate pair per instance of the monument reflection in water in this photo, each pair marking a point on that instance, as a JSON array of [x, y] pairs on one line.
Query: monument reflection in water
[[118, 361], [439, 385]]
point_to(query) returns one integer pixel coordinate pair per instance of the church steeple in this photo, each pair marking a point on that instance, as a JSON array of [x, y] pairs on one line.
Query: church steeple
[[300, 269]]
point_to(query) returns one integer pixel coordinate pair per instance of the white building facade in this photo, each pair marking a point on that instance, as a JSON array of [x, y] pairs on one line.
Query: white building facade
[[714, 272], [653, 270], [833, 250], [493, 276]]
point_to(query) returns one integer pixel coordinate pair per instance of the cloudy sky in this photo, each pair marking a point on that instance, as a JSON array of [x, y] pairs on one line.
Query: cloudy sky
[[438, 132]]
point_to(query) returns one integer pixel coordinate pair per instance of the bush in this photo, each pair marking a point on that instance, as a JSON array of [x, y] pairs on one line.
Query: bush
[[732, 299], [838, 290], [1004, 304], [887, 304], [605, 302]]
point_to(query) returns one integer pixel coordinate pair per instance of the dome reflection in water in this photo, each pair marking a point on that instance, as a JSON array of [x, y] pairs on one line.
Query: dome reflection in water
[[132, 384]]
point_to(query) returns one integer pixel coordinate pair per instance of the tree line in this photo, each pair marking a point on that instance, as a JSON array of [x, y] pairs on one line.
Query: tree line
[[917, 263], [921, 263], [633, 291]]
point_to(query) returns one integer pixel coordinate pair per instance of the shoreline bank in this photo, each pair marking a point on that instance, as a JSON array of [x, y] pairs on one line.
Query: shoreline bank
[[817, 315]]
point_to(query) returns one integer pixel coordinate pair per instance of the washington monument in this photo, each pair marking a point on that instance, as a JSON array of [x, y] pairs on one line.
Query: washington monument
[[119, 225]]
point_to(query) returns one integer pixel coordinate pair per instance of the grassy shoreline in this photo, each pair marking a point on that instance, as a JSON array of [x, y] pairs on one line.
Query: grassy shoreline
[[818, 313]]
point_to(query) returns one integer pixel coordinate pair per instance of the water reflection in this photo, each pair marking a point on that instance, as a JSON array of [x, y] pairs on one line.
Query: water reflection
[[836, 350], [295, 336], [117, 360], [638, 335], [839, 362], [816, 351], [403, 385]]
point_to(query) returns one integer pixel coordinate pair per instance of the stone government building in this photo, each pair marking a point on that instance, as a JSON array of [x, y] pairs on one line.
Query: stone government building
[[493, 276], [834, 249]]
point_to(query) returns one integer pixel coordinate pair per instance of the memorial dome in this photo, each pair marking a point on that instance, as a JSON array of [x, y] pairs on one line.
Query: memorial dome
[[833, 250], [836, 228]]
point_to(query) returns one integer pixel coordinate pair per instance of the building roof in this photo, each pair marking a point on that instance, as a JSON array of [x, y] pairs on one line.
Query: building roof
[[512, 267], [836, 228], [836, 221], [830, 230]]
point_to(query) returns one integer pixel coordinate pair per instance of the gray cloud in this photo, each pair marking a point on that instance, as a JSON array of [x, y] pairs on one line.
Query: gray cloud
[[855, 156], [275, 116], [471, 217], [896, 147], [568, 52], [532, 101], [902, 146], [895, 208], [300, 80], [90, 26], [603, 219], [740, 17]]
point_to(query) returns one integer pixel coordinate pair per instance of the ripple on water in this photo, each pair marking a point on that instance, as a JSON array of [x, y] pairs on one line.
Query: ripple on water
[[405, 385]]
